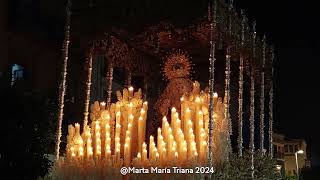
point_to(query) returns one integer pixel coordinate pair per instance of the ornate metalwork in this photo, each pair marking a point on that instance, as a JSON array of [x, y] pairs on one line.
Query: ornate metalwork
[[209, 12], [109, 82], [145, 88], [177, 65], [230, 22], [129, 78]]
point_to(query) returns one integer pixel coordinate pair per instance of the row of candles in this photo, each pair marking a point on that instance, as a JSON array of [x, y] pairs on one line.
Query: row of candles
[[117, 134]]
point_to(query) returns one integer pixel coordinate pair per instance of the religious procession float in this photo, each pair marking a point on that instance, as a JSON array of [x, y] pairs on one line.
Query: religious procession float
[[188, 122]]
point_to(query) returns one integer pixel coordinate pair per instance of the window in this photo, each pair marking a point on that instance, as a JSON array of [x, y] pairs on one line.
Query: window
[[291, 148], [295, 148], [17, 73], [286, 148]]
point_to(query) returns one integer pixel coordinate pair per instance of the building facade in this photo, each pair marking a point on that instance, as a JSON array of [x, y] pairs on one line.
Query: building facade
[[286, 151]]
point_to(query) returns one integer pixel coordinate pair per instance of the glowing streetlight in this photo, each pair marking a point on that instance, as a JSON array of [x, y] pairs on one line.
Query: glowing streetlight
[[278, 167], [296, 155]]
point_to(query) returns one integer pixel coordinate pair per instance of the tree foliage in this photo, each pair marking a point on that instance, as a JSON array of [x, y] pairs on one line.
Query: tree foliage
[[240, 168], [25, 134]]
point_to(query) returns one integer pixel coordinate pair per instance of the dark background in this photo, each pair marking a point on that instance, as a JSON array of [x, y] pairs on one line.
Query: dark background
[[290, 25]]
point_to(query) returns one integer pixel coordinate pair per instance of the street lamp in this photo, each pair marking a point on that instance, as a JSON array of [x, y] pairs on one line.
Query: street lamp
[[278, 167], [296, 154]]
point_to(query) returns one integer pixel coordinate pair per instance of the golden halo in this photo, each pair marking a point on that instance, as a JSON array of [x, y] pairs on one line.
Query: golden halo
[[177, 65]]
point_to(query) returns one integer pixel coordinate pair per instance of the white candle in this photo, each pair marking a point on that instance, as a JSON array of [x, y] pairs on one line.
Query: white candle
[[143, 115], [182, 112], [139, 159], [187, 119], [140, 134], [159, 141], [173, 116], [102, 106], [151, 146], [199, 126], [130, 92], [144, 152], [126, 154]]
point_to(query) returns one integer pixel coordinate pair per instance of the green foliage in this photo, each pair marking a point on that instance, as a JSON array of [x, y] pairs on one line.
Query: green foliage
[[240, 168], [25, 135], [290, 178]]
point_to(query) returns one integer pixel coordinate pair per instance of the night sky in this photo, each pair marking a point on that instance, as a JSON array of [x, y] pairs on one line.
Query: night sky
[[292, 27]]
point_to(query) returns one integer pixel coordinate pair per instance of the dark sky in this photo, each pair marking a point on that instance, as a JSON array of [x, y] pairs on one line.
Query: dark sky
[[292, 27]]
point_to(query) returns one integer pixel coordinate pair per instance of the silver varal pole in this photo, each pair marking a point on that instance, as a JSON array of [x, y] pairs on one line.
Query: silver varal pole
[[271, 108], [262, 96], [227, 97], [252, 121], [88, 87], [252, 93], [240, 99], [62, 86], [211, 86]]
